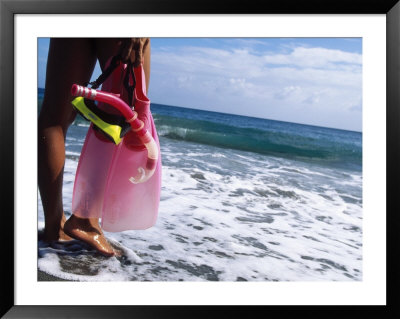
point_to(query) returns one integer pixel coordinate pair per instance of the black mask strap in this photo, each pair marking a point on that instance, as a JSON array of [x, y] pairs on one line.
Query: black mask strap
[[130, 88], [115, 61]]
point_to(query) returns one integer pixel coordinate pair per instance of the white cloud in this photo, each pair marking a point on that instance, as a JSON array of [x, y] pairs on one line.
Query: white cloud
[[309, 85], [315, 58], [287, 92]]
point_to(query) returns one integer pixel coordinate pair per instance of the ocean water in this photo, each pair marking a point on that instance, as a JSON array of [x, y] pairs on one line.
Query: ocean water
[[242, 199]]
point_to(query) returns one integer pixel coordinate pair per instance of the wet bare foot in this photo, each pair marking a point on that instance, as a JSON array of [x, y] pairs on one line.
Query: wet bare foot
[[53, 233], [88, 230]]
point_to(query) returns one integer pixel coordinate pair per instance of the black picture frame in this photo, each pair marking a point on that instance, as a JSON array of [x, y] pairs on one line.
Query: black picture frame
[[8, 10]]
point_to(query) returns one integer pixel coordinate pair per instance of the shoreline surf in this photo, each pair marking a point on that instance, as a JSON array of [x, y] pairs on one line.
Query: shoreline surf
[[228, 214]]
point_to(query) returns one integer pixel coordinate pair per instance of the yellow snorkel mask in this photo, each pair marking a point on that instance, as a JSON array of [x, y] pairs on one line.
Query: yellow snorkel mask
[[114, 127]]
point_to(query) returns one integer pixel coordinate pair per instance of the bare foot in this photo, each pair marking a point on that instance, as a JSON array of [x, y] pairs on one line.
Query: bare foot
[[88, 230], [54, 233]]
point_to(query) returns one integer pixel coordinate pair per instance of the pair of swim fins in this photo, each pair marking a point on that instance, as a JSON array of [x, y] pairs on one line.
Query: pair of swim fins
[[120, 181]]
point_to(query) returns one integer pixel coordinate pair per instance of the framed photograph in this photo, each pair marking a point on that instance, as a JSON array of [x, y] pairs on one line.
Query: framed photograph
[[279, 160]]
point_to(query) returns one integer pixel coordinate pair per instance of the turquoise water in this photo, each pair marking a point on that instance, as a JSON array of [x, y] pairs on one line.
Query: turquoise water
[[289, 140]]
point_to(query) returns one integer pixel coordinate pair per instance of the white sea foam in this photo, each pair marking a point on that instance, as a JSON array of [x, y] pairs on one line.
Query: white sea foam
[[229, 215]]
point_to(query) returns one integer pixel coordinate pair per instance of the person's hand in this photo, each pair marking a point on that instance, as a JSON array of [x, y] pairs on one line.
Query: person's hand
[[132, 49]]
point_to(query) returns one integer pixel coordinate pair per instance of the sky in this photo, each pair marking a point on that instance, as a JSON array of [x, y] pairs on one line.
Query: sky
[[316, 81]]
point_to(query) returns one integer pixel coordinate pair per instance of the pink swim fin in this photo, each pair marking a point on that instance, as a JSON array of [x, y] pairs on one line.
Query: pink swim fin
[[103, 184]]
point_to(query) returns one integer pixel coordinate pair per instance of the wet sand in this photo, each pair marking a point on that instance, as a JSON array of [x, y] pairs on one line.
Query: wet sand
[[43, 276]]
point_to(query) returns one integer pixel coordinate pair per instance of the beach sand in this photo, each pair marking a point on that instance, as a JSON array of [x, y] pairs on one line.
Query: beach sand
[[43, 276]]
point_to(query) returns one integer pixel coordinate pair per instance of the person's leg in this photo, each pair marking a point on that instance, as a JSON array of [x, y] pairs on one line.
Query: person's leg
[[88, 230], [69, 61]]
